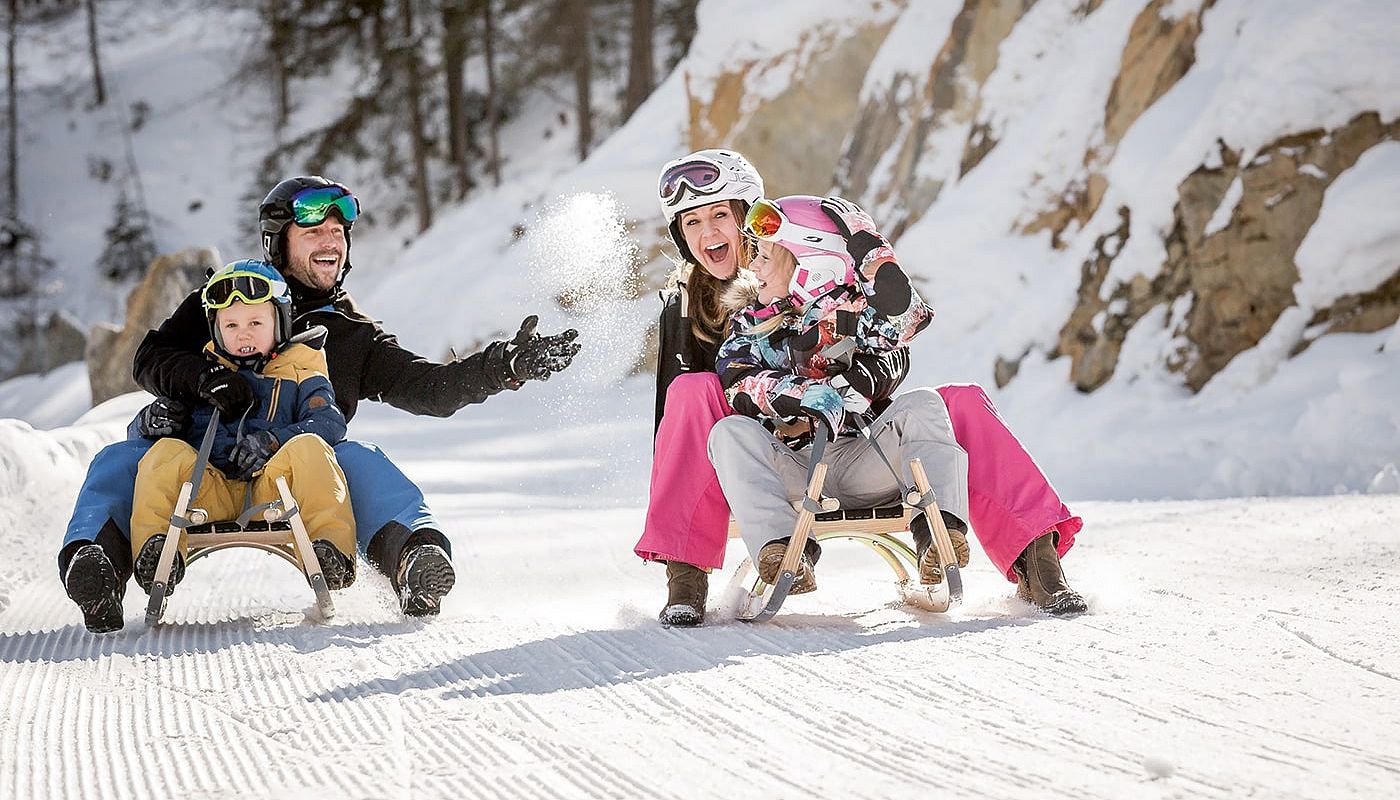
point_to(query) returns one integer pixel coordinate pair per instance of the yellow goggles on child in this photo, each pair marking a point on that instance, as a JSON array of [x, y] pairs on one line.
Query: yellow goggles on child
[[247, 287]]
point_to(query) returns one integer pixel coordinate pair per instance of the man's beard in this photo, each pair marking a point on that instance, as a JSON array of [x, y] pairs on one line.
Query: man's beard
[[308, 273]]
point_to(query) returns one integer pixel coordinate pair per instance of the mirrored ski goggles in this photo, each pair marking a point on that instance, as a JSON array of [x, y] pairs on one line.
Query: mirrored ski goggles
[[246, 287], [767, 221], [310, 206], [698, 175]]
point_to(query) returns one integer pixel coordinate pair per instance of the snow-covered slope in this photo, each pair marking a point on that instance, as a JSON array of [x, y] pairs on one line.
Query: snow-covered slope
[[1268, 423], [1236, 648]]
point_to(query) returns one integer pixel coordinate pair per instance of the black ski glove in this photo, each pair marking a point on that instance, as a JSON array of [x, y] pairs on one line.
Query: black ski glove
[[251, 453], [856, 227], [893, 295], [166, 416], [225, 390], [532, 357]]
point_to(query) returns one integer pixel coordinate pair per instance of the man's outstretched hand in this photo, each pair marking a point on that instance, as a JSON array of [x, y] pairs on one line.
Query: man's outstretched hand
[[532, 357]]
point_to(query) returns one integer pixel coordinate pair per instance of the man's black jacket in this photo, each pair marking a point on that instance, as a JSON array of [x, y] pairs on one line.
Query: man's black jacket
[[365, 362]]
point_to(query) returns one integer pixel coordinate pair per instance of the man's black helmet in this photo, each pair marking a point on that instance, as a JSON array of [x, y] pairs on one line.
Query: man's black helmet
[[280, 209]]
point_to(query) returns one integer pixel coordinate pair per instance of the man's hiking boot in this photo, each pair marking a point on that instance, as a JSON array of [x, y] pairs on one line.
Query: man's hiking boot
[[770, 565], [1040, 582], [91, 582], [930, 571], [149, 559], [424, 575], [336, 568], [687, 587]]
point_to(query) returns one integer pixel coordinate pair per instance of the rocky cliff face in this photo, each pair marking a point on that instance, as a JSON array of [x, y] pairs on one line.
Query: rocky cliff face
[[1238, 279], [110, 349], [895, 138]]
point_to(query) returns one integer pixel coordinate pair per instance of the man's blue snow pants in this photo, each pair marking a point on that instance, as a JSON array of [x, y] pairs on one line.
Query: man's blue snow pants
[[379, 492]]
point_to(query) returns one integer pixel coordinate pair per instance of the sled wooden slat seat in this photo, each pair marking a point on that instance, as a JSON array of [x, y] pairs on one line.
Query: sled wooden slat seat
[[881, 519], [885, 529], [280, 532]]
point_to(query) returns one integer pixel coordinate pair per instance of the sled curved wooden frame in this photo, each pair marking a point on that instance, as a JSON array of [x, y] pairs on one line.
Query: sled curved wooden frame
[[875, 527], [281, 533]]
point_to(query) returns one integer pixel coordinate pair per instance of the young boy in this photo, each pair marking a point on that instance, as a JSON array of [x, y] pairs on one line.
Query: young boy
[[290, 423]]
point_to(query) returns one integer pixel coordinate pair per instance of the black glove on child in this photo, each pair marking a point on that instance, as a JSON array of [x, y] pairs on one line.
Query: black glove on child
[[166, 416], [893, 294], [251, 453], [225, 390], [531, 357]]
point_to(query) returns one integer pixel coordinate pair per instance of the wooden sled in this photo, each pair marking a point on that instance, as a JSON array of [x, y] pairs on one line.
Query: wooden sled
[[280, 531], [822, 519]]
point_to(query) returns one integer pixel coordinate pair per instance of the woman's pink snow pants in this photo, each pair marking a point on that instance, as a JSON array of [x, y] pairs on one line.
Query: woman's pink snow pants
[[1011, 502], [687, 515]]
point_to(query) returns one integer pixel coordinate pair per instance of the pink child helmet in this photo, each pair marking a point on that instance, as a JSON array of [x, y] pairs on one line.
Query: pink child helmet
[[800, 226]]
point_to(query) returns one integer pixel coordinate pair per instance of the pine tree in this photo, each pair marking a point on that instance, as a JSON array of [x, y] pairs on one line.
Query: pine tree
[[130, 245]]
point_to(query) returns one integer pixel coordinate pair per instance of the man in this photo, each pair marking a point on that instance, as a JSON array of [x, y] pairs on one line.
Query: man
[[306, 224]]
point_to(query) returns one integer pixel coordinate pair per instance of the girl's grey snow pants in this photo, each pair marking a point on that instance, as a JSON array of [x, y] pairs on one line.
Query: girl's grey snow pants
[[762, 477]]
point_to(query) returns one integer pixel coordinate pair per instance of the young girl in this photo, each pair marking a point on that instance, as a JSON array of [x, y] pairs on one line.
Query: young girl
[[800, 346], [777, 370]]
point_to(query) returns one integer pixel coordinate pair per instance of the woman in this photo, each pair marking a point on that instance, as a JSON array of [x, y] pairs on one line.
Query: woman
[[704, 197], [1019, 519]]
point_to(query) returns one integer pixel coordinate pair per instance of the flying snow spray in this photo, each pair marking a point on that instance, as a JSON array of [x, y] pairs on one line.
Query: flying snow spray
[[582, 255]]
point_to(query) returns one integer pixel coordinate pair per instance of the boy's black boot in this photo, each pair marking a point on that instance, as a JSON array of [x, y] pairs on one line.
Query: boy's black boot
[[149, 559], [336, 567]]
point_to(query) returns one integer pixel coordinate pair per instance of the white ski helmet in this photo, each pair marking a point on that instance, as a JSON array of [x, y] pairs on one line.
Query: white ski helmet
[[702, 178]]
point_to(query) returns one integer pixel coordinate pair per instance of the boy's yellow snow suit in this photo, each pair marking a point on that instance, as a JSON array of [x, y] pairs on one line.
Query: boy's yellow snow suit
[[294, 402]]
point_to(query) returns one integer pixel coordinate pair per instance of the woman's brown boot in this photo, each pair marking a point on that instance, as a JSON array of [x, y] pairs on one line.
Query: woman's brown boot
[[1041, 582], [687, 586]]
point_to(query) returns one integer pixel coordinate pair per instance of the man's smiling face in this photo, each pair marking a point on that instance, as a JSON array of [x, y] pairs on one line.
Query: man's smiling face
[[316, 253]]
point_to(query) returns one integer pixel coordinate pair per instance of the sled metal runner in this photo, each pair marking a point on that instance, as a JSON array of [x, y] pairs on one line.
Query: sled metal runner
[[822, 519], [275, 527]]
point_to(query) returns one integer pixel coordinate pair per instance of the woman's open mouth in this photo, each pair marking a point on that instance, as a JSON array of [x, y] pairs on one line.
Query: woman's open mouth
[[717, 253]]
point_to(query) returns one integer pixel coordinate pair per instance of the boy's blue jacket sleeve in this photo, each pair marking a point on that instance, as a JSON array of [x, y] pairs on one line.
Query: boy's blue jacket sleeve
[[316, 412]]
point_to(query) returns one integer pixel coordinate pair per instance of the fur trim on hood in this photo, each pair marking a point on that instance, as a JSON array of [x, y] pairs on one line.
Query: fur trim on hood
[[741, 292]]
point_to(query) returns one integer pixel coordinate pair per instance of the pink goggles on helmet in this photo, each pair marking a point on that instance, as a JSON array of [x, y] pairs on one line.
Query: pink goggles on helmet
[[798, 224]]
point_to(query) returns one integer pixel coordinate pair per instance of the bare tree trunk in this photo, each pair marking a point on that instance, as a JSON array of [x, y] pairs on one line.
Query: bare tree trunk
[[639, 68], [454, 63], [578, 35], [415, 114], [492, 124], [374, 10], [92, 49], [281, 77], [12, 116]]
